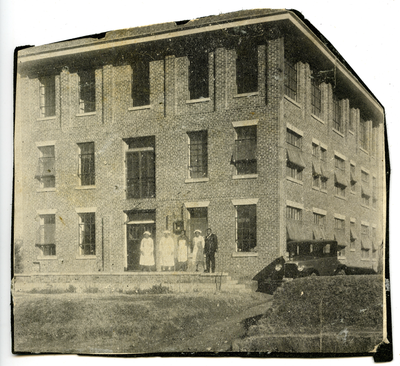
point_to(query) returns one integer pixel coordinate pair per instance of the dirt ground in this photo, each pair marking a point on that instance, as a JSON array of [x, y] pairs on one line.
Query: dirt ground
[[101, 323]]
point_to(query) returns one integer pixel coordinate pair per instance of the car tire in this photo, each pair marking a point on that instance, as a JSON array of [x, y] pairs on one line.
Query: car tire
[[314, 274], [340, 272]]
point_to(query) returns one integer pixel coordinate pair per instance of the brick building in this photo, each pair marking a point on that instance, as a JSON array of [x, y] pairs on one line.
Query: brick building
[[245, 122]]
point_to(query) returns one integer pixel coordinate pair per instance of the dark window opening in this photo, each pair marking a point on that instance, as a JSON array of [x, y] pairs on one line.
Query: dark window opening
[[198, 154], [337, 115], [290, 78], [87, 91], [140, 168], [46, 167], [46, 235], [87, 233], [246, 228], [140, 83], [47, 96], [198, 76], [86, 164], [245, 155], [247, 68], [316, 105]]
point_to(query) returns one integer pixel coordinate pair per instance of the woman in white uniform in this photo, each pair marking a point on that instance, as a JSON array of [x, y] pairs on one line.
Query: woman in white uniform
[[198, 250], [167, 252], [147, 252]]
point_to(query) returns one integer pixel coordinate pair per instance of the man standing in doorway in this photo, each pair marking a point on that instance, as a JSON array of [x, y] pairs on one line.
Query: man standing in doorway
[[210, 248]]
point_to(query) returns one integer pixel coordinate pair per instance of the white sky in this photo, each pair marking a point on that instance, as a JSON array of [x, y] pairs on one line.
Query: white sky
[[365, 35]]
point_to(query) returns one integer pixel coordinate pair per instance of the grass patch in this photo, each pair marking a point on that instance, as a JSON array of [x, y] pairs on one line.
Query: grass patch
[[155, 290], [95, 323]]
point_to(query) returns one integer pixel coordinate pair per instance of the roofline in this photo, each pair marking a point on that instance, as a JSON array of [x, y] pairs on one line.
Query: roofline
[[285, 15]]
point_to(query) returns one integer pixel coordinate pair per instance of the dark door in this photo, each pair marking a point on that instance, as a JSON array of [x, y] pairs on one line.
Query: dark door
[[197, 221], [134, 235]]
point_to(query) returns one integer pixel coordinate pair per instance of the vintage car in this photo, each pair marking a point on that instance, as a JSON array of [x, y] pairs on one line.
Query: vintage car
[[307, 258]]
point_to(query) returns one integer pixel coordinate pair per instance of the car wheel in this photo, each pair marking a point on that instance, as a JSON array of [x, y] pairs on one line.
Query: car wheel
[[341, 272], [314, 274]]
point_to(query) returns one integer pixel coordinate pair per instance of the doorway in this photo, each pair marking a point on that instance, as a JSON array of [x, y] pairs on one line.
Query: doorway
[[138, 223], [197, 220]]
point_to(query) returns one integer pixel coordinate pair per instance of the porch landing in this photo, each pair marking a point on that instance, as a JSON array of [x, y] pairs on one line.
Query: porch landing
[[129, 282]]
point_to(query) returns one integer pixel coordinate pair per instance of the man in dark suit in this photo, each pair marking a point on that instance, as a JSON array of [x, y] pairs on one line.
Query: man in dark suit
[[210, 247]]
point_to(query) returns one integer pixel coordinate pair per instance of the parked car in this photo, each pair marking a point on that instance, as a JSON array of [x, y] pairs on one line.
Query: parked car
[[307, 258]]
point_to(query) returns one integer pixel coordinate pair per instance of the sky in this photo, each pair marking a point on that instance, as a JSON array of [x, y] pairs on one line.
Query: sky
[[365, 33]]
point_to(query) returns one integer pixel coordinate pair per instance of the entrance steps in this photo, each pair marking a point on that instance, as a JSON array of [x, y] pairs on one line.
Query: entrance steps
[[131, 282]]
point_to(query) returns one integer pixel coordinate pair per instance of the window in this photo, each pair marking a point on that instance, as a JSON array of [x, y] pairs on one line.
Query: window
[[290, 79], [246, 228], [353, 235], [46, 167], [374, 243], [316, 180], [316, 105], [293, 138], [198, 76], [324, 183], [319, 219], [365, 193], [337, 114], [365, 243], [363, 134], [198, 154], [339, 224], [47, 96], [353, 179], [340, 190], [87, 91], [140, 167], [315, 150], [294, 171], [294, 213], [339, 163], [374, 196], [351, 120], [245, 154], [323, 154], [140, 83], [247, 68], [365, 230], [87, 233], [86, 170], [46, 235]]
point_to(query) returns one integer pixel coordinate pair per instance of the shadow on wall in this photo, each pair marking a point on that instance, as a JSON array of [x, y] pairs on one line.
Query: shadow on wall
[[270, 277]]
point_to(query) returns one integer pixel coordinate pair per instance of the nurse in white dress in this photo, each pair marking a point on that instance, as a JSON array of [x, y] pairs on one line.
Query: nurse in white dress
[[147, 252]]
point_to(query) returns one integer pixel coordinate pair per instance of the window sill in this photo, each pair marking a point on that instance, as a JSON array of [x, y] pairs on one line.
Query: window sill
[[352, 250], [292, 101], [365, 259], [46, 118], [316, 188], [200, 100], [294, 180], [317, 118], [352, 192], [245, 176], [244, 254], [140, 107], [351, 132], [364, 151], [342, 258], [338, 132], [196, 180], [340, 197], [245, 95], [324, 191], [89, 257], [52, 189], [85, 187], [365, 206], [47, 257], [85, 114]]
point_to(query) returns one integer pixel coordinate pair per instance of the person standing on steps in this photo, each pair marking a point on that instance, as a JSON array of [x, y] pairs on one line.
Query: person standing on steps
[[182, 252], [198, 249], [147, 252], [167, 252], [210, 248]]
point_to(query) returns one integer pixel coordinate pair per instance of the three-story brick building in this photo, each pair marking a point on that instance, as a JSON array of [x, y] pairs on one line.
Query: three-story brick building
[[244, 122]]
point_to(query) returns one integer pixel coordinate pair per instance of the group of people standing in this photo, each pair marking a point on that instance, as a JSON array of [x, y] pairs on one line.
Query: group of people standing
[[175, 255]]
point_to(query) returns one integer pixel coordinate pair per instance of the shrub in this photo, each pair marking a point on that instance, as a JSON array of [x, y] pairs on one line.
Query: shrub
[[91, 290], [315, 304]]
